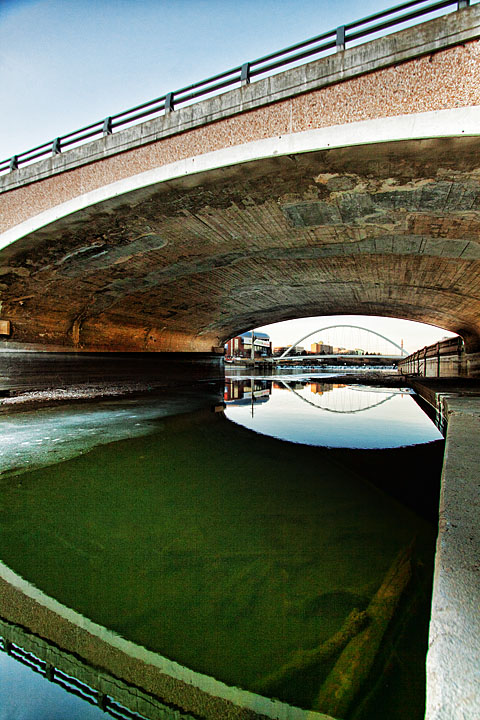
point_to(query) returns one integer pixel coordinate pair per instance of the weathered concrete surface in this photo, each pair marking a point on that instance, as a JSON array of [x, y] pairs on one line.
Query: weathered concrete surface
[[453, 663], [383, 229]]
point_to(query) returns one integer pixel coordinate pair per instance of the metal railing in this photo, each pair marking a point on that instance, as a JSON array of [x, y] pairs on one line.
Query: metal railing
[[242, 74]]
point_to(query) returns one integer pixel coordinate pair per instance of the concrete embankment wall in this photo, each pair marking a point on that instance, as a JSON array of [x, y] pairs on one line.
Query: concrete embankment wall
[[453, 661]]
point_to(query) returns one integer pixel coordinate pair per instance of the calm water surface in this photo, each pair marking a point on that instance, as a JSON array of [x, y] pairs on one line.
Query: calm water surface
[[328, 414], [234, 543]]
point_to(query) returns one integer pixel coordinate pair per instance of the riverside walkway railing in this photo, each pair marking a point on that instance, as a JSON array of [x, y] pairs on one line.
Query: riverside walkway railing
[[428, 360], [334, 40]]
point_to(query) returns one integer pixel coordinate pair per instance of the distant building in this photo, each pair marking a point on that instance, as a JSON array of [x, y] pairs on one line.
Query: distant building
[[321, 348], [241, 345], [297, 350]]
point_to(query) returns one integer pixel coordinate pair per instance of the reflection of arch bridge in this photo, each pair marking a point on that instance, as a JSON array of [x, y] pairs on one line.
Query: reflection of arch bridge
[[343, 403], [403, 352]]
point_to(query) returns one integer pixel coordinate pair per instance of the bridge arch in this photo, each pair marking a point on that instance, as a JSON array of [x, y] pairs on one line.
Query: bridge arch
[[357, 327], [164, 260]]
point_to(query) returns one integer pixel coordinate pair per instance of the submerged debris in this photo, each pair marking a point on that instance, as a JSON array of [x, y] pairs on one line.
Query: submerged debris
[[302, 660], [355, 662]]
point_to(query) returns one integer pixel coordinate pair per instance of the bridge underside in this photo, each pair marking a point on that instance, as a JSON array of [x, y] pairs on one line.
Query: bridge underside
[[387, 229]]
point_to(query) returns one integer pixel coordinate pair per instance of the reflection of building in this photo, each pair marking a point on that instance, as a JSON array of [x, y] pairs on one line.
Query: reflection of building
[[320, 388], [240, 391], [241, 345]]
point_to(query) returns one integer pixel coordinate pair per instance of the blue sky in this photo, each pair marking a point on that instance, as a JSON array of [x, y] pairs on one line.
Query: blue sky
[[67, 63]]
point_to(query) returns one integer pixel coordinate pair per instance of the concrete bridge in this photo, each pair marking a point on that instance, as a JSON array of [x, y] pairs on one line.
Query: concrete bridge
[[347, 185]]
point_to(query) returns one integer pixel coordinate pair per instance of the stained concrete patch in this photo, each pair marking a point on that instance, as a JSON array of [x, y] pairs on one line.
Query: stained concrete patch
[[97, 257], [311, 214]]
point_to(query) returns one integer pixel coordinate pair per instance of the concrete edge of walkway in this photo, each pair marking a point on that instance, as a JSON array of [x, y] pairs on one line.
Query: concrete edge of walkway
[[453, 661]]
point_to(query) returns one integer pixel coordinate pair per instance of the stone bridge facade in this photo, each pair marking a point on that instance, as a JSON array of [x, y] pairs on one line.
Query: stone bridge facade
[[350, 184]]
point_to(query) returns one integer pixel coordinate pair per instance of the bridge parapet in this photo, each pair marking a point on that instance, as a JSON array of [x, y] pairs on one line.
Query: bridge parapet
[[383, 80], [340, 67]]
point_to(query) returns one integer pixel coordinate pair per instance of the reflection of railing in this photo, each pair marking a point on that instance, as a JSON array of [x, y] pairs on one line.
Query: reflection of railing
[[68, 683], [76, 687], [343, 411]]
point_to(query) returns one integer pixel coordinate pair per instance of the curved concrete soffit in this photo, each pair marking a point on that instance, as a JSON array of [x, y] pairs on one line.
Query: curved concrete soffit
[[457, 122], [272, 708]]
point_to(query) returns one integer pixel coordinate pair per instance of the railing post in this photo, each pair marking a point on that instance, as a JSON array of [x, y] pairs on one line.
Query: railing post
[[463, 4], [56, 147], [107, 126], [102, 700], [13, 163], [245, 74], [169, 107], [340, 39]]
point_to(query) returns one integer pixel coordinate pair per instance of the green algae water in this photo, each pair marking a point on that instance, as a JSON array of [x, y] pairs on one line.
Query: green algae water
[[235, 553]]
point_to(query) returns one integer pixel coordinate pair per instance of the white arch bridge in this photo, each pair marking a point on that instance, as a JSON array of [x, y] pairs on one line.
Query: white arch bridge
[[285, 356]]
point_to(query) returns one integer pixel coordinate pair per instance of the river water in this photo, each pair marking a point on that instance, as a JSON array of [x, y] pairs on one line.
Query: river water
[[236, 539]]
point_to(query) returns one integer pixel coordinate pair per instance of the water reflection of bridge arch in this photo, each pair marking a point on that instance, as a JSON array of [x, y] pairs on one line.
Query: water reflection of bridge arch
[[403, 352], [345, 399]]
